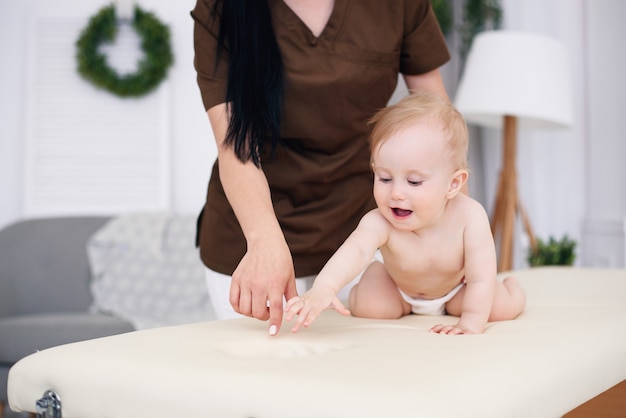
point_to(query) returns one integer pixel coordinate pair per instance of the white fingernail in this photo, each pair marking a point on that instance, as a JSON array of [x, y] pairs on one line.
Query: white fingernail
[[273, 330]]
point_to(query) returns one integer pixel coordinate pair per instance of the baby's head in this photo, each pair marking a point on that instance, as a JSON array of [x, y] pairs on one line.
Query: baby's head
[[419, 159], [419, 108]]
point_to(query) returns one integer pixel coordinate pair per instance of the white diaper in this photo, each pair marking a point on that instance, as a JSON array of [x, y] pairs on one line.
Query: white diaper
[[430, 306]]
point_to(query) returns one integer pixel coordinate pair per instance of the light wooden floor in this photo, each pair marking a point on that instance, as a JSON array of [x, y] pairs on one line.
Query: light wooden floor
[[610, 404]]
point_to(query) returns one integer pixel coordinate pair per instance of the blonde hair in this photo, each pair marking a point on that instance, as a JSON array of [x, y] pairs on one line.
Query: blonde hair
[[423, 107]]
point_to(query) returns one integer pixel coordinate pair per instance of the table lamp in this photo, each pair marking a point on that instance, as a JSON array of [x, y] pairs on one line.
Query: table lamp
[[514, 80]]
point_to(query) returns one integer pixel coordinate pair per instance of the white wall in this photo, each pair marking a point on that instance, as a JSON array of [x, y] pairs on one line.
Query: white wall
[[12, 17], [570, 181], [192, 147], [605, 218], [551, 164]]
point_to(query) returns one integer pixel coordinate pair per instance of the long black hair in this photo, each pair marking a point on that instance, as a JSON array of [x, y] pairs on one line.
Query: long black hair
[[254, 94]]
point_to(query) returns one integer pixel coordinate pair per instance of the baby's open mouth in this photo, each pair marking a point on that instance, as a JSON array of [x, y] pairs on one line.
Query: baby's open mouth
[[401, 213]]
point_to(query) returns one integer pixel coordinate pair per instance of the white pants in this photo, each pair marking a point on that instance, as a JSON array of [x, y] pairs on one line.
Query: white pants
[[218, 285]]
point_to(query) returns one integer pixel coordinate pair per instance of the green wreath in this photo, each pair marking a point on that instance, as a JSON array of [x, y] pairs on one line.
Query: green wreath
[[152, 69]]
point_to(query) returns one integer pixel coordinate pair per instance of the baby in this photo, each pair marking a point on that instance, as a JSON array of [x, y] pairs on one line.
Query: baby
[[436, 242]]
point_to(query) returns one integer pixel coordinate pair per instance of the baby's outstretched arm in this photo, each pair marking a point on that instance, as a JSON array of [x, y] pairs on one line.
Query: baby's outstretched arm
[[311, 304], [351, 258]]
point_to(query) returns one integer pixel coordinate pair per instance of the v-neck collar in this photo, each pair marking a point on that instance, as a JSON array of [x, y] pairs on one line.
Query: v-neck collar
[[289, 18]]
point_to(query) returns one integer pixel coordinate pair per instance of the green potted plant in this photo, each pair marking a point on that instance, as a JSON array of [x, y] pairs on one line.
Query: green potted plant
[[478, 16], [553, 252]]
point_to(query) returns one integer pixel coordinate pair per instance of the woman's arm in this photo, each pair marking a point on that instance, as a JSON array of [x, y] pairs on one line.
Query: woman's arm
[[430, 82], [266, 272]]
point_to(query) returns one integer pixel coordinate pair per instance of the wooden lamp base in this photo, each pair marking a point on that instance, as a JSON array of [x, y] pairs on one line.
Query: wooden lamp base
[[508, 204]]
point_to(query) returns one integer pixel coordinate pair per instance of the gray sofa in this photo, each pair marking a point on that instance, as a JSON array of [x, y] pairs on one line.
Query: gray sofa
[[44, 289]]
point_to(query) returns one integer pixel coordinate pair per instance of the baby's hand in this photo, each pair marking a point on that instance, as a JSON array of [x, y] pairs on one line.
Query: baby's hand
[[450, 329], [310, 305]]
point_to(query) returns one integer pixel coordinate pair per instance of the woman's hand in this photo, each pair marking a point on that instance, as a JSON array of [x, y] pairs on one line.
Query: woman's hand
[[264, 275]]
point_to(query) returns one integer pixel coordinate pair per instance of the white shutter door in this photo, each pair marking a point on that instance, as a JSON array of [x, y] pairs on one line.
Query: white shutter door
[[86, 150]]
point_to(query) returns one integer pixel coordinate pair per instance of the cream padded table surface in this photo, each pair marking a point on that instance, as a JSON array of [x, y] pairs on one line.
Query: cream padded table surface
[[567, 347]]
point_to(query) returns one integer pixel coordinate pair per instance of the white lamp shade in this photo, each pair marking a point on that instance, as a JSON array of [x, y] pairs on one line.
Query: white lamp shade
[[517, 74]]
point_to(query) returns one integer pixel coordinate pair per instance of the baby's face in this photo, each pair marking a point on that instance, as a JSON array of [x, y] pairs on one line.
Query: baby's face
[[412, 176]]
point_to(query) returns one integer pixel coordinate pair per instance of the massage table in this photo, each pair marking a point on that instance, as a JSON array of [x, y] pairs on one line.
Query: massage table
[[567, 347]]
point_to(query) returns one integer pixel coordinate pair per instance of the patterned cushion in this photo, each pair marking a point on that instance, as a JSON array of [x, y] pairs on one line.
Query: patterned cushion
[[146, 269]]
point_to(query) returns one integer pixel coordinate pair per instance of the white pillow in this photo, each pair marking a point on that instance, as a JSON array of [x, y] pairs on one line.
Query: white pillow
[[145, 268]]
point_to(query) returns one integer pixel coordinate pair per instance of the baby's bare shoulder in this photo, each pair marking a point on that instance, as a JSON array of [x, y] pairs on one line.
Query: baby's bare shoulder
[[374, 218], [373, 222], [467, 206]]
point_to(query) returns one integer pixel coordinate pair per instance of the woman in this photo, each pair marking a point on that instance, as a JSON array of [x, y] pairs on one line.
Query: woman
[[288, 86]]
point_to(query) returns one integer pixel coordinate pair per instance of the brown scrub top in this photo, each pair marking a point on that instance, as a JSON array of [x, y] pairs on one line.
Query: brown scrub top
[[334, 83]]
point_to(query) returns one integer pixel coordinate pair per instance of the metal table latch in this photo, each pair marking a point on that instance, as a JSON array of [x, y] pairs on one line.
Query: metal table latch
[[49, 406]]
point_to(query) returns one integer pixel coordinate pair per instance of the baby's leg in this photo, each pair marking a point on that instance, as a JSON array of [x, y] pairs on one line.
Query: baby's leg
[[509, 300], [376, 295]]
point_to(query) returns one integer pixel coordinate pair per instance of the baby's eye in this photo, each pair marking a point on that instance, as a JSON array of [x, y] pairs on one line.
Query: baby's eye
[[384, 179], [415, 182]]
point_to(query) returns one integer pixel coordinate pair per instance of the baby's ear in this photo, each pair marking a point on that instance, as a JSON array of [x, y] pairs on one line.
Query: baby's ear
[[457, 181]]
